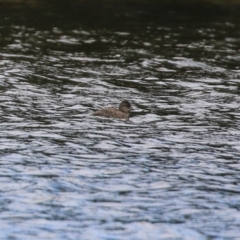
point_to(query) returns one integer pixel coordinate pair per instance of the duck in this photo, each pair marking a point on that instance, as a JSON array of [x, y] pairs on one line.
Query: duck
[[121, 113]]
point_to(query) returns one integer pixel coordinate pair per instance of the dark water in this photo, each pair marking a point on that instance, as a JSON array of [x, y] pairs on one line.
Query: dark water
[[172, 172]]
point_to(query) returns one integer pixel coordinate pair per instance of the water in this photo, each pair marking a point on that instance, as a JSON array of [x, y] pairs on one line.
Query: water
[[172, 172]]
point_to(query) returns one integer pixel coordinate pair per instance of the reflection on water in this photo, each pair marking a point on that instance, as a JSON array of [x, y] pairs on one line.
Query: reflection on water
[[172, 172]]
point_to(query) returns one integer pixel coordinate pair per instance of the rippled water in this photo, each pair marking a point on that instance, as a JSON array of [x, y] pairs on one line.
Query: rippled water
[[172, 172]]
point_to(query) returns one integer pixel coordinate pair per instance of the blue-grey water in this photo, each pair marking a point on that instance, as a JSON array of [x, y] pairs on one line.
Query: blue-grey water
[[172, 172]]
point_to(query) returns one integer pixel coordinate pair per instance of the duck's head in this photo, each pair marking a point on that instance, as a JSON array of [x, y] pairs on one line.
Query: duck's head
[[125, 106]]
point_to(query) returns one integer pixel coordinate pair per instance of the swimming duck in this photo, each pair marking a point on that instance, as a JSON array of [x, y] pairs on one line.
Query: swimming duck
[[122, 112]]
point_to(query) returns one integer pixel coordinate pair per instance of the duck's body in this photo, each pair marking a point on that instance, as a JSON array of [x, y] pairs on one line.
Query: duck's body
[[111, 112]]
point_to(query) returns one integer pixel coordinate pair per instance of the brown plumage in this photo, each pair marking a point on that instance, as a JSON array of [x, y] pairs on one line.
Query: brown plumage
[[122, 112]]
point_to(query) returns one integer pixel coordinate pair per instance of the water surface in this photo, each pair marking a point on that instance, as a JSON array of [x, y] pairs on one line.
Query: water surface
[[171, 172]]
